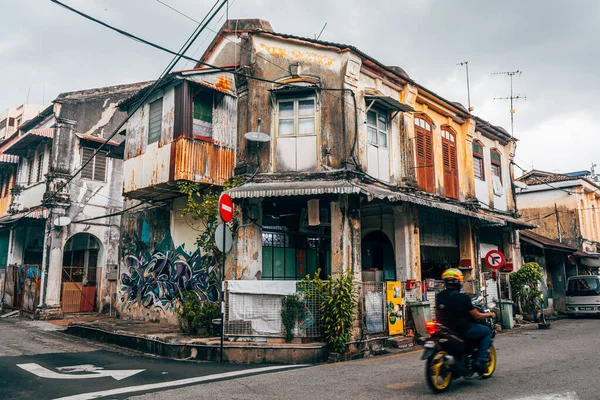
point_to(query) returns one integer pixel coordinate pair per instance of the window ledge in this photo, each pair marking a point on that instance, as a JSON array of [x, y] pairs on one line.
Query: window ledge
[[204, 139]]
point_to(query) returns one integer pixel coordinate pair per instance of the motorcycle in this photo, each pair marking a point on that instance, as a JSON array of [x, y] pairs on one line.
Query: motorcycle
[[450, 357]]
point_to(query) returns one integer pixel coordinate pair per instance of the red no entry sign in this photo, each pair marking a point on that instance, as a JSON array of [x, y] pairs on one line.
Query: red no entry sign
[[226, 207], [494, 259]]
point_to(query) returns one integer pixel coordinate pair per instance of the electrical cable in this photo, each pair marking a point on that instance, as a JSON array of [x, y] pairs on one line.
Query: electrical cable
[[165, 72]]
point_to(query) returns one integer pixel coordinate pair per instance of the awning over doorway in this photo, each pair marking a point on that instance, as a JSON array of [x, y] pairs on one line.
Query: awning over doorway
[[319, 187]]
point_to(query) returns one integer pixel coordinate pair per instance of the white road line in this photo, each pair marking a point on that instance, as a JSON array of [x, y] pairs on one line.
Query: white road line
[[555, 396], [180, 382], [42, 372]]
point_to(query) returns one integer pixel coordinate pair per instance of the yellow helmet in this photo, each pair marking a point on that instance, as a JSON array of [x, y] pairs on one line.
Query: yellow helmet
[[452, 275]]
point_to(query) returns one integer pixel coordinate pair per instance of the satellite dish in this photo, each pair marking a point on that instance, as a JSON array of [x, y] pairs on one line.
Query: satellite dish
[[62, 221], [257, 137]]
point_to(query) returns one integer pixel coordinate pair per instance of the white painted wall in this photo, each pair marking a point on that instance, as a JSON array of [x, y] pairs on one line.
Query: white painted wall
[[184, 230]]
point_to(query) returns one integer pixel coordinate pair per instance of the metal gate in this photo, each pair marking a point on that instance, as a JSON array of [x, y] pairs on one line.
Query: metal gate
[[78, 289]]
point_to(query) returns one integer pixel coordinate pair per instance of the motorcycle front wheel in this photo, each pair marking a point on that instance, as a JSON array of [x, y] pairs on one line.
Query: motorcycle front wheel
[[437, 373], [490, 365]]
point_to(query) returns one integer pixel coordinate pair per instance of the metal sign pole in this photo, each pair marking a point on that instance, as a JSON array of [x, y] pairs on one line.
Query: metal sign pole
[[499, 296], [223, 292]]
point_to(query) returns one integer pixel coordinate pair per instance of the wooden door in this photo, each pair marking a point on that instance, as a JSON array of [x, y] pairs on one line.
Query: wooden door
[[450, 167]]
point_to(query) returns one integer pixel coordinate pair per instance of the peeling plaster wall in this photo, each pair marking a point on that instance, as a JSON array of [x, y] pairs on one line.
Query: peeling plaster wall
[[149, 164]]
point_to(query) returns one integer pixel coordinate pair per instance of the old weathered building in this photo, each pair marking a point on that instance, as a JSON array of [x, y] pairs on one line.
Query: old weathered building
[[565, 207], [364, 170], [185, 131], [64, 233]]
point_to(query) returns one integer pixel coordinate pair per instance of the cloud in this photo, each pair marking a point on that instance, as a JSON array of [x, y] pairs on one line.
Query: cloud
[[552, 43]]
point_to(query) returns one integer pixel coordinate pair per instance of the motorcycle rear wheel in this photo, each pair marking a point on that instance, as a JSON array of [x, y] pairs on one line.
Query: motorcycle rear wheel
[[490, 364], [437, 373]]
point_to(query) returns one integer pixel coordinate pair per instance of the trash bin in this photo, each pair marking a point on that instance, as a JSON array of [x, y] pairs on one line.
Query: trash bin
[[216, 327], [507, 314], [421, 313]]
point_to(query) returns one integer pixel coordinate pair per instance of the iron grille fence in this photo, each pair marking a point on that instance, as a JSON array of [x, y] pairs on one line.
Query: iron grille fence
[[374, 306], [259, 315]]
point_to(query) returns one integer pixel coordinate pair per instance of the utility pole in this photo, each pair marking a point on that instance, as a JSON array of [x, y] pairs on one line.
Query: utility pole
[[557, 223], [466, 64], [512, 97]]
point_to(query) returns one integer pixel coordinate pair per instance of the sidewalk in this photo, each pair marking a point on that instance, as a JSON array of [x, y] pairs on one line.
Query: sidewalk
[[167, 341]]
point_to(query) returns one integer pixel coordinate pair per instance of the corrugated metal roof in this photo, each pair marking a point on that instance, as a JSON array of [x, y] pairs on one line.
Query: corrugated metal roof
[[23, 143], [545, 241], [519, 224], [318, 187]]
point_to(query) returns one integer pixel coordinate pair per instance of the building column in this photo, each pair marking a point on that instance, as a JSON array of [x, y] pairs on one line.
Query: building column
[[52, 262], [407, 265], [466, 247], [245, 260], [346, 236]]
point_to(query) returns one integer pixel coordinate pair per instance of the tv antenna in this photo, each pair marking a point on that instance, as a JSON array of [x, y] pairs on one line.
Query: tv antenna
[[512, 97], [466, 64]]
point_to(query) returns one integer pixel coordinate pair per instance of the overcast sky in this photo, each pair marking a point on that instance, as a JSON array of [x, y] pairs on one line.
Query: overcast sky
[[45, 48]]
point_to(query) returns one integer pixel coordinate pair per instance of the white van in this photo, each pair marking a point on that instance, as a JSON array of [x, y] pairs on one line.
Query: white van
[[583, 295]]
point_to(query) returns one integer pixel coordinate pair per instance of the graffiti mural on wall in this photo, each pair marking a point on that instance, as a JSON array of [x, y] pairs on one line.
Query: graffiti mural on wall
[[155, 274], [161, 280]]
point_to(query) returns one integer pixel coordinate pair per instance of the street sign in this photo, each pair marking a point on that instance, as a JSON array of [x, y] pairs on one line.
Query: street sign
[[94, 372], [223, 238], [226, 207], [494, 259]]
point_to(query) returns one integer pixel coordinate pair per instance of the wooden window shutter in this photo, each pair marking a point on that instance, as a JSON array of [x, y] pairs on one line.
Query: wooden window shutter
[[88, 171], [450, 169], [100, 167], [425, 160]]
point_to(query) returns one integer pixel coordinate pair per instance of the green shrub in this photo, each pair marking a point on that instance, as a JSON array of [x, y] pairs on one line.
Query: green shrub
[[338, 306], [530, 274], [195, 315], [291, 306]]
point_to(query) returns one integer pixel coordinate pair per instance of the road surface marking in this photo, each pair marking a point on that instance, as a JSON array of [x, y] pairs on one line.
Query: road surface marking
[[555, 396], [42, 372], [180, 382]]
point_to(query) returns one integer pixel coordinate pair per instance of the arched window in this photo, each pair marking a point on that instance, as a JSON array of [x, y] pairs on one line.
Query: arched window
[[424, 150], [478, 168], [450, 167], [496, 160]]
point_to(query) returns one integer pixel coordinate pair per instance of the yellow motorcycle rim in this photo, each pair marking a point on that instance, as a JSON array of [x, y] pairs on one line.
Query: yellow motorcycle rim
[[491, 367], [441, 374]]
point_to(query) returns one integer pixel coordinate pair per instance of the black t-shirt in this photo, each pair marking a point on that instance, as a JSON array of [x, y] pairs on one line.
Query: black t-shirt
[[452, 310]]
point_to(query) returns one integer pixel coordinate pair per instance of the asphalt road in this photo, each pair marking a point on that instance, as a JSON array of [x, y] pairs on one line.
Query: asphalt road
[[38, 362], [558, 364]]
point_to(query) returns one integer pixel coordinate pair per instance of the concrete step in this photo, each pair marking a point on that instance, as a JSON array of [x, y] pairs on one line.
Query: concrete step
[[400, 342]]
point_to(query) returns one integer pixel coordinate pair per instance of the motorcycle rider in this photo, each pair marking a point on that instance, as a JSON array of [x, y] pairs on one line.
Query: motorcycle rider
[[455, 311]]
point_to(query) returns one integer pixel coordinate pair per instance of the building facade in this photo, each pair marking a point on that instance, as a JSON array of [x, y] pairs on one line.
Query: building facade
[[565, 207], [64, 222], [12, 118], [183, 132]]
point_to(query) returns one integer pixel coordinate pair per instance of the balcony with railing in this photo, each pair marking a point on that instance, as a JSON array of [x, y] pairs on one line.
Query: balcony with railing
[[154, 174]]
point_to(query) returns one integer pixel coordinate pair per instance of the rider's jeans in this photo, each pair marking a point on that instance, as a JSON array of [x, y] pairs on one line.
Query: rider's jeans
[[484, 333]]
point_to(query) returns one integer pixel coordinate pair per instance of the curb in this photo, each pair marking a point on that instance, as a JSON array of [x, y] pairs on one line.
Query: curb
[[241, 354]]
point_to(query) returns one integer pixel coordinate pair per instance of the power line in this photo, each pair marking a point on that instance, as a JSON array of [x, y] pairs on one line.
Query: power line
[[165, 72]]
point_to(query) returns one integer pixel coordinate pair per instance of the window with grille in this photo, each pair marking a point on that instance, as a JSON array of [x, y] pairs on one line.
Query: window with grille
[[424, 149], [478, 167], [296, 134], [450, 167], [40, 165], [96, 169], [377, 139], [30, 167], [155, 121]]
